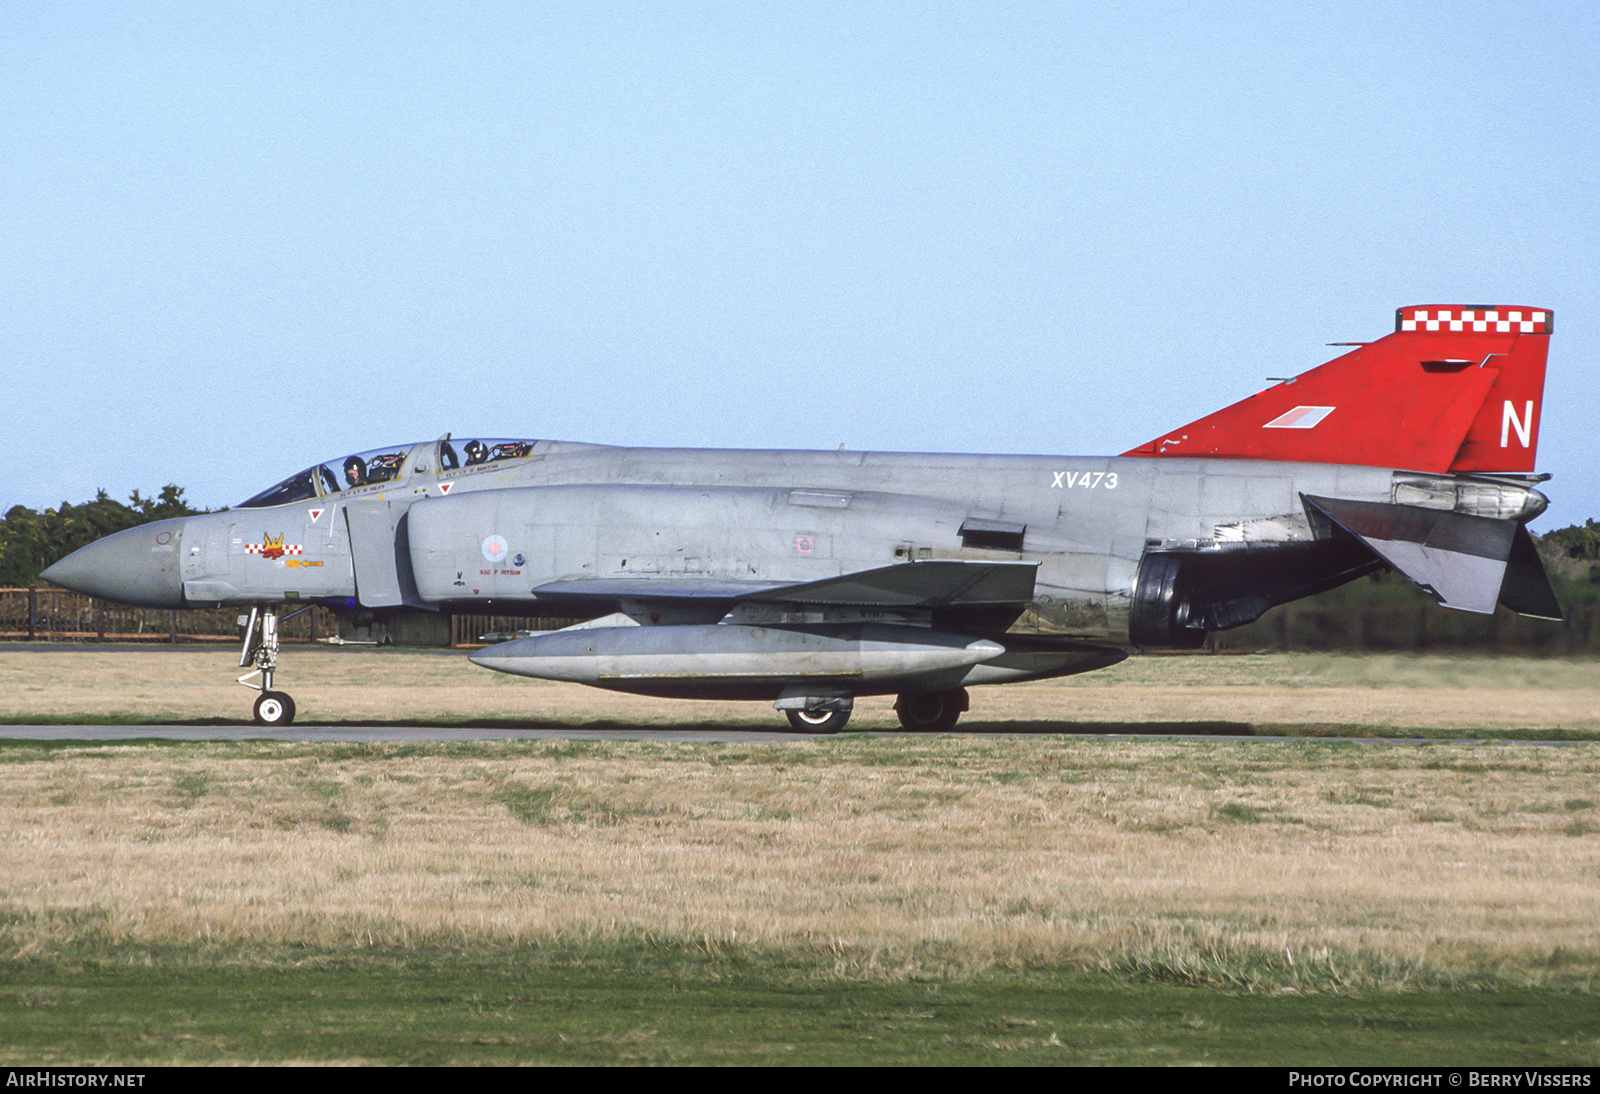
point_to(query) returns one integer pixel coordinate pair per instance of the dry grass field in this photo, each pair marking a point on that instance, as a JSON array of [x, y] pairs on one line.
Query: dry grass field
[[1314, 863]]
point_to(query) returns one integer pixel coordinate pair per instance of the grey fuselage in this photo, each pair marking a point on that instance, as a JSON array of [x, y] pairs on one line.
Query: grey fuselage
[[485, 538]]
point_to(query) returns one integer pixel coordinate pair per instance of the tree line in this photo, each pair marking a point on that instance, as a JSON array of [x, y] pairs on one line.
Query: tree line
[[31, 540], [1574, 551]]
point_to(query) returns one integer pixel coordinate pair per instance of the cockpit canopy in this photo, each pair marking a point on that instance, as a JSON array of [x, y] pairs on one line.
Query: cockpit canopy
[[381, 465]]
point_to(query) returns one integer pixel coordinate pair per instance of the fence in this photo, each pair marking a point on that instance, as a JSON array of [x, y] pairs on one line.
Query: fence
[[49, 614], [44, 613], [1308, 625]]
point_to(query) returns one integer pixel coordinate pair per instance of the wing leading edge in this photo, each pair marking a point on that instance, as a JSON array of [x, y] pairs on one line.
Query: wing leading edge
[[932, 583]]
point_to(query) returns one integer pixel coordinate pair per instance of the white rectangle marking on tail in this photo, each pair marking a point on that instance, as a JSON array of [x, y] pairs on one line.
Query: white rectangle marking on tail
[[1301, 417]]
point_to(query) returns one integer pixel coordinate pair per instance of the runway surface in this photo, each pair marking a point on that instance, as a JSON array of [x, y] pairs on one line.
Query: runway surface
[[422, 734], [371, 734]]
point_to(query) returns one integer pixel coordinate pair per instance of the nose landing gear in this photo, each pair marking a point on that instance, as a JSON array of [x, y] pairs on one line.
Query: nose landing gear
[[260, 649]]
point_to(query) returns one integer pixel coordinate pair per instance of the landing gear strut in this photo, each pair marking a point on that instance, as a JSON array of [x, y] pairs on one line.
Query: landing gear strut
[[260, 648], [931, 711]]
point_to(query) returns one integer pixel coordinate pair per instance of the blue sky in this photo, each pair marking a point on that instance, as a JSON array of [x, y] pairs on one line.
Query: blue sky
[[238, 239]]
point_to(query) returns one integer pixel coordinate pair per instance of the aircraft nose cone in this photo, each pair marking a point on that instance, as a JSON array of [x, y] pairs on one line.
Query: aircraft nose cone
[[137, 566]]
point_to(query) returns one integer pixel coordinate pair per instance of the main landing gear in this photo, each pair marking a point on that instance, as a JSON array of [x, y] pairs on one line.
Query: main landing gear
[[919, 711], [817, 721], [931, 711], [260, 648], [816, 713]]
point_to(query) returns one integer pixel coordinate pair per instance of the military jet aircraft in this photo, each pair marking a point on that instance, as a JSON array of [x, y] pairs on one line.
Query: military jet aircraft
[[807, 579]]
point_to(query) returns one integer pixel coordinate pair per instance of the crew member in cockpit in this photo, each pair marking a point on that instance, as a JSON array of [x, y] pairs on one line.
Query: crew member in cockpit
[[385, 468], [477, 452], [355, 472]]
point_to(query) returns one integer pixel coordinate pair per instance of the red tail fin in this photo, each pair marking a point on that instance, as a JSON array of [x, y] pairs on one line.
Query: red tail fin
[[1452, 389]]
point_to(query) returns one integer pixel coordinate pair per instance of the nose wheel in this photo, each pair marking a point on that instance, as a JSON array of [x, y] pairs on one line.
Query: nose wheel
[[260, 649], [274, 708]]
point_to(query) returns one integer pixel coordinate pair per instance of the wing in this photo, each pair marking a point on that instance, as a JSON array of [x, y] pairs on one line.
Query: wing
[[928, 584]]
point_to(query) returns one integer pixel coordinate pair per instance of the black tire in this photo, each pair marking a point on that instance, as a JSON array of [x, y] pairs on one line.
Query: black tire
[[931, 711], [818, 721], [274, 708]]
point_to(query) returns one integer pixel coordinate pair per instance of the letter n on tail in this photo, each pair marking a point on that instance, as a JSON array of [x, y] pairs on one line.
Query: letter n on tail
[[1523, 425]]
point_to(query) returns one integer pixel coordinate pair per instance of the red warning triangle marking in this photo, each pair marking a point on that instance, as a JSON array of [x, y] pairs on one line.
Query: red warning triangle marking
[[444, 487], [315, 513]]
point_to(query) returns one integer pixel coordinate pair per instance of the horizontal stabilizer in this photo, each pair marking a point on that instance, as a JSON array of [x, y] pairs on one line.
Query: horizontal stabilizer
[[1526, 589], [1456, 558], [932, 583]]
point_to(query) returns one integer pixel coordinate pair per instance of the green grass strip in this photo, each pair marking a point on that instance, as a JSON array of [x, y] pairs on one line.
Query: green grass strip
[[639, 1003]]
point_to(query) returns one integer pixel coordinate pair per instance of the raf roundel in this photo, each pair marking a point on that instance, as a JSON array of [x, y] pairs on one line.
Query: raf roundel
[[494, 548]]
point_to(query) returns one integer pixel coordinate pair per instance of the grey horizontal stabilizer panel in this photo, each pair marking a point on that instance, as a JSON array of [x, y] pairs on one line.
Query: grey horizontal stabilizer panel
[[933, 583], [1526, 589], [1456, 558]]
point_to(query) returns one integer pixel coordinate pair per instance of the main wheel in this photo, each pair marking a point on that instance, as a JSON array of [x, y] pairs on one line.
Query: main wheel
[[931, 711], [274, 708], [818, 721]]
